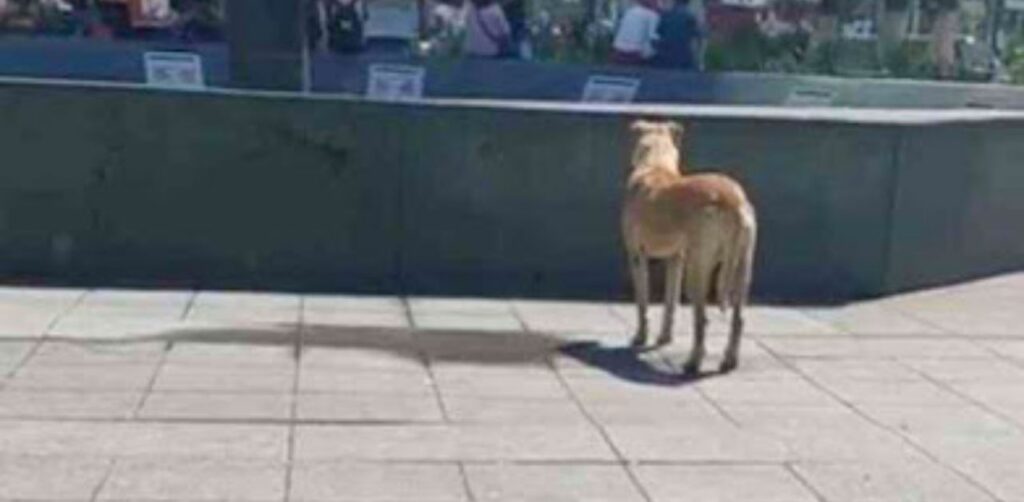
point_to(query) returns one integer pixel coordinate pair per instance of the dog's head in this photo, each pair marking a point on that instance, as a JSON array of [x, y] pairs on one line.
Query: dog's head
[[657, 143]]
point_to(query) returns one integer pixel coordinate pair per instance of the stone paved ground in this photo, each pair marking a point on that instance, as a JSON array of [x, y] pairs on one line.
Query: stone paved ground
[[142, 396]]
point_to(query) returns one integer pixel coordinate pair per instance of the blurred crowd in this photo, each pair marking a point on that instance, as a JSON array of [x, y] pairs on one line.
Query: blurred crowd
[[188, 20]]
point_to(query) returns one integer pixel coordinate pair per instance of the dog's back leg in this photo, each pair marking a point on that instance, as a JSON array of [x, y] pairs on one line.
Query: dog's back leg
[[698, 284], [739, 290], [641, 294], [673, 283]]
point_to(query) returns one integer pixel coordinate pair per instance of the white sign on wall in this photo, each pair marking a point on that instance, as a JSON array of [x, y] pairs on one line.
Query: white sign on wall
[[174, 70], [393, 82], [750, 4], [605, 89], [810, 97]]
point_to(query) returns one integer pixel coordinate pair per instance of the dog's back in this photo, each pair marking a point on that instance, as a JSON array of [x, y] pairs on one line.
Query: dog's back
[[662, 207]]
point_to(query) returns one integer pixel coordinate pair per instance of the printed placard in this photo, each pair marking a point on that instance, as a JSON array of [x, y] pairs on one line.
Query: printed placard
[[811, 97], [605, 89], [174, 70], [392, 82]]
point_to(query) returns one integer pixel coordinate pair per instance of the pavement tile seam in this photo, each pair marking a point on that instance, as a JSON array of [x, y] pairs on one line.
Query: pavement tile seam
[[589, 417], [970, 399], [467, 487], [1019, 363], [433, 461], [864, 335], [103, 481], [22, 362], [518, 316], [917, 318], [189, 304], [148, 391], [408, 460], [38, 342], [427, 363], [293, 405], [103, 498], [716, 405], [804, 482], [552, 462], [634, 479], [66, 312], [316, 422], [906, 439]]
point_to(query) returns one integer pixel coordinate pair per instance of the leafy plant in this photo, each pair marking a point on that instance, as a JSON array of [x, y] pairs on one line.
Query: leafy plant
[[748, 49], [910, 60], [1014, 60]]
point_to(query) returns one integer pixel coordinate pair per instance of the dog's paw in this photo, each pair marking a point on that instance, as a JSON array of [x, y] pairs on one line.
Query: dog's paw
[[664, 340], [691, 368], [638, 341], [728, 364]]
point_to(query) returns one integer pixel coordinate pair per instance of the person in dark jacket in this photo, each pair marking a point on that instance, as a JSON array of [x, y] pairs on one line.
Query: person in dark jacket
[[337, 25], [679, 38], [515, 13]]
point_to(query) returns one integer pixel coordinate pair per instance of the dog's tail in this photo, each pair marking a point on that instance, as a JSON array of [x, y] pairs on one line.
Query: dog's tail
[[736, 269]]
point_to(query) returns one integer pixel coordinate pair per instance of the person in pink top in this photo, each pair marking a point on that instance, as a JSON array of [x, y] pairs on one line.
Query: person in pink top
[[487, 31]]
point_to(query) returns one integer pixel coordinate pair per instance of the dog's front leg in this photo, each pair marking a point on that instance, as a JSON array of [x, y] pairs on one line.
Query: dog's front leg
[[673, 280], [641, 292], [700, 324], [697, 285]]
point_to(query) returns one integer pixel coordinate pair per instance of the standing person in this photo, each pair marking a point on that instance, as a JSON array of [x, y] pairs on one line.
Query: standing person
[[679, 38], [200, 20], [83, 17], [336, 25], [944, 34], [346, 26], [447, 17], [316, 25], [637, 33], [515, 13], [21, 16], [487, 31], [445, 24]]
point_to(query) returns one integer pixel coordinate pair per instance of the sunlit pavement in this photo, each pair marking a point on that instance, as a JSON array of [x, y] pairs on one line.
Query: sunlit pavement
[[199, 396]]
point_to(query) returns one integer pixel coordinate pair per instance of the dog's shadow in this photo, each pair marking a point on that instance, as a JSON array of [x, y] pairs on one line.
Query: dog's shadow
[[625, 363]]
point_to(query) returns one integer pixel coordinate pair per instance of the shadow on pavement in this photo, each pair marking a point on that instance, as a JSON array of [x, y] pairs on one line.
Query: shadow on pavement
[[626, 364], [510, 348]]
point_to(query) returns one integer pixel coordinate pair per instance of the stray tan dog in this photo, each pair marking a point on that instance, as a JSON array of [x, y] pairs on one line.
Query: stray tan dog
[[700, 222]]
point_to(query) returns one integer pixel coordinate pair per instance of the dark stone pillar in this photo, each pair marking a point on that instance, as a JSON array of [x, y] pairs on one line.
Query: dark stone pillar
[[266, 44]]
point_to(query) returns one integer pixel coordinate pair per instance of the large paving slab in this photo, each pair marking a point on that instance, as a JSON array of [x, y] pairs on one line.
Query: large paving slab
[[546, 483], [162, 480], [730, 482], [890, 481], [354, 311], [472, 442], [372, 482], [43, 478], [71, 438]]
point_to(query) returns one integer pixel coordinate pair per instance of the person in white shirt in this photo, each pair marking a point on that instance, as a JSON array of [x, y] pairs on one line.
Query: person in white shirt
[[488, 33], [637, 33]]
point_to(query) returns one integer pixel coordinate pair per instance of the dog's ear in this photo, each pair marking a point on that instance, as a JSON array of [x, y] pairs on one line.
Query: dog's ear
[[677, 130], [641, 125]]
